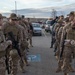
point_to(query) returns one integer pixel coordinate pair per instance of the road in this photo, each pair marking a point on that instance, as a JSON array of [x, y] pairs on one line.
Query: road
[[47, 64]]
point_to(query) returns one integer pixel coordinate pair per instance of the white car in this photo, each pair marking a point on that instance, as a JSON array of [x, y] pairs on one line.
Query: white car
[[37, 29], [47, 25]]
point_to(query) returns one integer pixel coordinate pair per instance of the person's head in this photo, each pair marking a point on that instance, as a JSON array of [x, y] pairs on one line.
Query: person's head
[[1, 18], [71, 16], [13, 18], [66, 19], [61, 17], [23, 16], [28, 19], [60, 21], [73, 22], [19, 20]]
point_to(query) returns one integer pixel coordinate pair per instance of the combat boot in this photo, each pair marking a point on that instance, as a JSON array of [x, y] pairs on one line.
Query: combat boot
[[58, 70], [57, 57], [71, 69], [66, 74], [23, 71], [60, 63]]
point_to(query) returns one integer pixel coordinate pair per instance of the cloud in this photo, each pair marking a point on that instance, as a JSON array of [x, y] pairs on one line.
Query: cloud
[[21, 4]]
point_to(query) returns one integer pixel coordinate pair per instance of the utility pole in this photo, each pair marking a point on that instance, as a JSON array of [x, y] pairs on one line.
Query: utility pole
[[15, 7], [54, 13]]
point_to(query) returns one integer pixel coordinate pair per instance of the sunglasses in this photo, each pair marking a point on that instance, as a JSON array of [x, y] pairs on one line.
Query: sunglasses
[[14, 19]]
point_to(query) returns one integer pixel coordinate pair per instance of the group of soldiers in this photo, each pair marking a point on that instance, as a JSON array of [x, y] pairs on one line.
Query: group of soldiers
[[15, 40], [63, 41]]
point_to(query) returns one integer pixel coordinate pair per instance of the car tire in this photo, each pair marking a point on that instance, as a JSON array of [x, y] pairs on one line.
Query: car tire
[[41, 34]]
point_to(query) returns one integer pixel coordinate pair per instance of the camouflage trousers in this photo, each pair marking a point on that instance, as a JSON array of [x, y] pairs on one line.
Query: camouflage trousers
[[2, 66], [22, 62], [68, 53], [30, 39], [14, 57], [24, 52], [57, 53]]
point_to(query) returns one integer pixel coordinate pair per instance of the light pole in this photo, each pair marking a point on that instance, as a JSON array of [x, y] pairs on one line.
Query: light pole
[[54, 13], [15, 7]]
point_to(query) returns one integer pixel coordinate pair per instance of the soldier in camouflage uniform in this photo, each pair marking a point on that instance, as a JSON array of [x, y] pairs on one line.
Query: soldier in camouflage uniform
[[3, 46], [25, 25], [57, 43], [69, 46], [60, 63], [24, 43], [17, 33], [30, 32]]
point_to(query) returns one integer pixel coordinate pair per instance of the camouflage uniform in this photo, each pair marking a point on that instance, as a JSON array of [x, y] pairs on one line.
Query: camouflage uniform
[[23, 49], [60, 62], [57, 36], [68, 49], [55, 30], [25, 33], [3, 45], [30, 28], [16, 30], [26, 27]]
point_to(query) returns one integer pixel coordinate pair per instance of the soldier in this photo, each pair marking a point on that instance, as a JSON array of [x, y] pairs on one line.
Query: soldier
[[60, 63], [13, 32], [25, 25], [30, 32], [24, 43], [69, 47], [3, 46], [57, 44]]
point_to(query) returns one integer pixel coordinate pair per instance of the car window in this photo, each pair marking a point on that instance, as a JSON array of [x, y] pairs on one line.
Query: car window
[[48, 22], [36, 25]]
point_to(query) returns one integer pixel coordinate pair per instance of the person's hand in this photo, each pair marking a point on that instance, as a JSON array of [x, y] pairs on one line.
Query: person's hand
[[67, 42], [9, 42], [73, 42]]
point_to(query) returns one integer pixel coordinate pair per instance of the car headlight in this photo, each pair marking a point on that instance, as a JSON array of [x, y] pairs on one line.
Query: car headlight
[[46, 26]]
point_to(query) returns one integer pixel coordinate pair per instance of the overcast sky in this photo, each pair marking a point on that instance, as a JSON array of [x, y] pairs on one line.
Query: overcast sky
[[7, 5]]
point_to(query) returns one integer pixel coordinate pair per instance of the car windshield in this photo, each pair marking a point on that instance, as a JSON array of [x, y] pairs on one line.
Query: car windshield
[[36, 25], [48, 22]]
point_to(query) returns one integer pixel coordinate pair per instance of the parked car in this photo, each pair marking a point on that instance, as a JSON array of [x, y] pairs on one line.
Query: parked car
[[37, 29]]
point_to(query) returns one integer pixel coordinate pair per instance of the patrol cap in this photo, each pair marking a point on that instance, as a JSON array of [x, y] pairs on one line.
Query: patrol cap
[[66, 19], [23, 16], [71, 13], [1, 16], [13, 16], [19, 18], [60, 21]]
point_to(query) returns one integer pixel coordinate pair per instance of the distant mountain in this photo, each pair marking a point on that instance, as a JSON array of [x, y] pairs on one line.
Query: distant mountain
[[44, 12]]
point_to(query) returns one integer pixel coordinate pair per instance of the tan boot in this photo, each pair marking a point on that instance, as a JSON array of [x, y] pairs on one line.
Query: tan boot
[[23, 71], [71, 69], [57, 57], [58, 70], [66, 74]]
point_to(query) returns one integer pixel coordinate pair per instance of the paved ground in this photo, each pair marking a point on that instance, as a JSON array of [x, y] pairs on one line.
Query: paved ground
[[48, 64]]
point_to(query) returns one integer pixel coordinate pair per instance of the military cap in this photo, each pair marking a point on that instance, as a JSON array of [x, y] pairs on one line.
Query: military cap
[[62, 16], [66, 19], [19, 18], [23, 16], [13, 16], [60, 21], [1, 16], [71, 13]]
